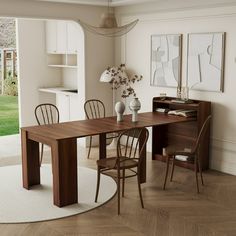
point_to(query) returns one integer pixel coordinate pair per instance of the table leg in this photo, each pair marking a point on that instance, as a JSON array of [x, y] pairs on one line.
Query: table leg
[[64, 168], [144, 159], [102, 146], [30, 161]]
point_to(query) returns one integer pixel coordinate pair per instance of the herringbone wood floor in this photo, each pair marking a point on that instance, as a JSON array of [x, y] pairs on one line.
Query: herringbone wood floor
[[178, 211]]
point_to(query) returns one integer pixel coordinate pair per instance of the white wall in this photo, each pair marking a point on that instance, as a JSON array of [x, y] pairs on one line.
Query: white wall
[[136, 53], [33, 69], [98, 58]]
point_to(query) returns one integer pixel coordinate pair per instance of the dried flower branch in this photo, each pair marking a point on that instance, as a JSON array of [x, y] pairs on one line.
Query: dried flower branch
[[120, 78]]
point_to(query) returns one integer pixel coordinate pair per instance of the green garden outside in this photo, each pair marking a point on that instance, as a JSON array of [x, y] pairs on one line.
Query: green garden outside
[[9, 115]]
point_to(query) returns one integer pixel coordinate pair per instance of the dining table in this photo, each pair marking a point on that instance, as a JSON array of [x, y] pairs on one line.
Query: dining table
[[62, 139]]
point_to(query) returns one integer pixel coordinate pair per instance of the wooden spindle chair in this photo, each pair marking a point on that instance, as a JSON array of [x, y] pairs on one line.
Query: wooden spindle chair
[[95, 109], [172, 152], [46, 113], [130, 147]]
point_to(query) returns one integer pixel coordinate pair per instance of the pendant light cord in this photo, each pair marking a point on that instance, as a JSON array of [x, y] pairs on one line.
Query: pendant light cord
[[125, 49], [125, 67], [108, 6]]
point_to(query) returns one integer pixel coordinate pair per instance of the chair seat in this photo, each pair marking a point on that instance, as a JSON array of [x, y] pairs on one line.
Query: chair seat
[[177, 150], [112, 135], [110, 162]]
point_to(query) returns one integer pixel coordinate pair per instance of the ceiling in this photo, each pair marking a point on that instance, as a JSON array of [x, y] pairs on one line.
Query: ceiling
[[162, 4], [102, 2]]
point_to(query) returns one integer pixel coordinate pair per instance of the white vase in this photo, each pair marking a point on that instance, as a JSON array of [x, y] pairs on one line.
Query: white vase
[[135, 106], [120, 108]]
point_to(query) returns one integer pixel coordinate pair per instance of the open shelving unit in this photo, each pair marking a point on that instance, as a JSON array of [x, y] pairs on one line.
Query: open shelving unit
[[62, 60], [181, 134]]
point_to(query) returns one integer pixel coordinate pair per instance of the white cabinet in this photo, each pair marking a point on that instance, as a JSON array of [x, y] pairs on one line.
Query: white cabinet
[[67, 106], [62, 37], [72, 37], [74, 107], [63, 105], [62, 42], [51, 36]]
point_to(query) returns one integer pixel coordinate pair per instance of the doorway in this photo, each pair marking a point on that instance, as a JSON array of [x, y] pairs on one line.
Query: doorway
[[9, 110]]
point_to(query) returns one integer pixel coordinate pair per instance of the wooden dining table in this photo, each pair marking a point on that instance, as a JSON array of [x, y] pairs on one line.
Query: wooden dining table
[[62, 138]]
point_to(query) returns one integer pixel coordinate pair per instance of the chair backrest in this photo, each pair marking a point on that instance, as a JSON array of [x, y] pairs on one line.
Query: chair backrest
[[131, 143], [94, 109], [46, 113], [201, 134]]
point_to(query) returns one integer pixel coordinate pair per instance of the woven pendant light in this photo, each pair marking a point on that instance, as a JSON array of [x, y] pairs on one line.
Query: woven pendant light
[[108, 26]]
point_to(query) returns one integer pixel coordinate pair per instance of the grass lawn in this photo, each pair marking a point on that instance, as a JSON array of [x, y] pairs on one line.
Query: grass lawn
[[9, 117]]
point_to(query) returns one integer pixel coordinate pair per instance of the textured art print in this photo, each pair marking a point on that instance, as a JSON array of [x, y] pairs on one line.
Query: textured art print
[[166, 60], [206, 61]]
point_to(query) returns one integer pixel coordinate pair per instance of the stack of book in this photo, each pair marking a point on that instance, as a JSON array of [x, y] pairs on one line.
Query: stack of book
[[185, 113], [181, 158], [163, 110], [181, 101]]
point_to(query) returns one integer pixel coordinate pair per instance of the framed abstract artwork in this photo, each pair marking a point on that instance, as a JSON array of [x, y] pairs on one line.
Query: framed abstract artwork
[[166, 60], [205, 61]]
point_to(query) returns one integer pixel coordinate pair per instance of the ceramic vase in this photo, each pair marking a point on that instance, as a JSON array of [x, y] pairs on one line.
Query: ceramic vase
[[135, 106], [120, 108]]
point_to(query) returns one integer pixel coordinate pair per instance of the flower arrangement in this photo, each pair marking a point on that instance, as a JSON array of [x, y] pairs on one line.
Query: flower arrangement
[[120, 78]]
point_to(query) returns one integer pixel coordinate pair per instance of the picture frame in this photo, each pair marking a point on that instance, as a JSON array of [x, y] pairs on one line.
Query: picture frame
[[166, 60], [205, 61]]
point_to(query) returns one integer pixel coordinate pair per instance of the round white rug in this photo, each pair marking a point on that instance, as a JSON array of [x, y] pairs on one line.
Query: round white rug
[[18, 205]]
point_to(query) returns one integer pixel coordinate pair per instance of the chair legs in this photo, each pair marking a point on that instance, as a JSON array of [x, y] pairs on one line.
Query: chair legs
[[123, 183], [200, 170], [172, 168], [196, 175], [139, 190], [118, 191], [167, 170], [197, 167], [119, 177], [90, 144], [98, 183], [41, 155]]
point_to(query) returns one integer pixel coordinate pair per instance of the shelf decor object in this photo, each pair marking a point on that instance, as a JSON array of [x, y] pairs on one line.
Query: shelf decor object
[[166, 60], [135, 106], [118, 77], [108, 26], [205, 61], [120, 108], [182, 93], [109, 76], [112, 75]]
